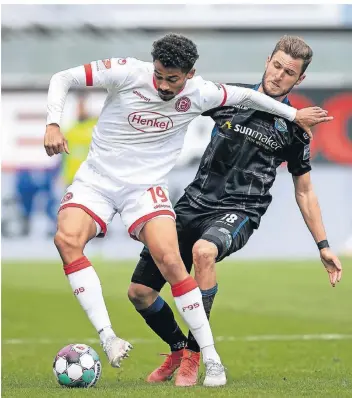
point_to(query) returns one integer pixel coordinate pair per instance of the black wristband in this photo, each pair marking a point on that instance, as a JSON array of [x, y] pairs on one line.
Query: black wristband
[[323, 244]]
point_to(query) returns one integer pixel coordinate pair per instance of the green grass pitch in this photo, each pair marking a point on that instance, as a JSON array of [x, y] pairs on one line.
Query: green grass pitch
[[272, 321]]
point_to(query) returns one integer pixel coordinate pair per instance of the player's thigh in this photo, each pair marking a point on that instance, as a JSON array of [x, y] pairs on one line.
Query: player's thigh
[[85, 210], [160, 236], [151, 219], [75, 222], [228, 231]]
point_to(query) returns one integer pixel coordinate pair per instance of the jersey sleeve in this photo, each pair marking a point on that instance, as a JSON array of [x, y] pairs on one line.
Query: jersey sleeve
[[215, 95], [298, 154], [108, 73]]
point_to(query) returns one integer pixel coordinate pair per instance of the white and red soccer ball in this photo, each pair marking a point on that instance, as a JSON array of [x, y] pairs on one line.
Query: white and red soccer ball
[[77, 365]]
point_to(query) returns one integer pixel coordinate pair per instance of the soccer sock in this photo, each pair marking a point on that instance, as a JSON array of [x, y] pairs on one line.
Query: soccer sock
[[208, 297], [86, 286], [160, 318], [188, 299]]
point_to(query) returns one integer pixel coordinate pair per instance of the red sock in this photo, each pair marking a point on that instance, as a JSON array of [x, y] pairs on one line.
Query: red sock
[[183, 287], [77, 265]]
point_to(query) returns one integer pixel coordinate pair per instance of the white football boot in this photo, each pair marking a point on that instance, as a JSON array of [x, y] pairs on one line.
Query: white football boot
[[215, 375], [116, 350]]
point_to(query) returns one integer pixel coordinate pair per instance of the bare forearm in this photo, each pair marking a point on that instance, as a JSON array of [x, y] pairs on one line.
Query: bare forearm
[[310, 209]]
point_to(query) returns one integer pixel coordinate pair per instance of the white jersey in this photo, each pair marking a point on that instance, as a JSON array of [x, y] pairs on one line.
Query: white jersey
[[138, 136]]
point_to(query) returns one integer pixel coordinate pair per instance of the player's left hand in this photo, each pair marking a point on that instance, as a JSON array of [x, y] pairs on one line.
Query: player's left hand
[[332, 265], [309, 117]]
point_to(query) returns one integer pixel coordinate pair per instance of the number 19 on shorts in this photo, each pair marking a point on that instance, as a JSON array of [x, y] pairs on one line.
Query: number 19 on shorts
[[158, 195]]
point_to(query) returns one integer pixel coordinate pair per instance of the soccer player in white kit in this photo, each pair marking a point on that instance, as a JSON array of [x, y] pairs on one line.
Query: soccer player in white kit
[[135, 144]]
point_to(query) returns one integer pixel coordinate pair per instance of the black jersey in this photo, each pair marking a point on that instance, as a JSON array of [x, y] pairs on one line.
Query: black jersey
[[239, 165]]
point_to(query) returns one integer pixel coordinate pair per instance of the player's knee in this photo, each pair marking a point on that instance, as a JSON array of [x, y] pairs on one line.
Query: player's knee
[[67, 242], [140, 295], [204, 255]]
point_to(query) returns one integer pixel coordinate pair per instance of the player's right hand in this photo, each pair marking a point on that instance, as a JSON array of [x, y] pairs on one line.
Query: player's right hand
[[309, 117], [54, 140], [332, 265]]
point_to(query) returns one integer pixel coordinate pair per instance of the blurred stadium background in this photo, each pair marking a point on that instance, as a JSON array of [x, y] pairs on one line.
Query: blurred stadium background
[[234, 41], [287, 297]]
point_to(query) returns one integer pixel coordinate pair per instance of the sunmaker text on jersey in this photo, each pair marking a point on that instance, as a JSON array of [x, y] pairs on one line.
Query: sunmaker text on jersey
[[257, 136]]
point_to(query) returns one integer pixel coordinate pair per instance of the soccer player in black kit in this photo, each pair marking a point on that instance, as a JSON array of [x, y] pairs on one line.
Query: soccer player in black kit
[[222, 207]]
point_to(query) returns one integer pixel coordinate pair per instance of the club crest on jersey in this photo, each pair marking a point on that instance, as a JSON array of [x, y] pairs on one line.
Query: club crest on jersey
[[280, 125], [122, 61], [183, 104], [68, 196], [107, 63]]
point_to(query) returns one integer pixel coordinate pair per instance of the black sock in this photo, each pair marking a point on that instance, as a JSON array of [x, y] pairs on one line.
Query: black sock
[[208, 297], [161, 320]]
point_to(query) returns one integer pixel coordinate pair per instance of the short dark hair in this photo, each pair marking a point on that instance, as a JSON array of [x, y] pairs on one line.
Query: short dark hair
[[175, 51], [297, 48]]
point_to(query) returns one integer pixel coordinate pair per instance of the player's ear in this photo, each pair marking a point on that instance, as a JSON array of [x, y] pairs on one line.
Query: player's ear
[[267, 61], [300, 80], [191, 73]]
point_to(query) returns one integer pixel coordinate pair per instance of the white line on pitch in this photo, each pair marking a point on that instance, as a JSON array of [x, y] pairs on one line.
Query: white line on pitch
[[263, 337]]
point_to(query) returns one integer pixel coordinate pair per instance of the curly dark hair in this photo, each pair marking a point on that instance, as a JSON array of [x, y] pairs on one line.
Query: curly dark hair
[[175, 51]]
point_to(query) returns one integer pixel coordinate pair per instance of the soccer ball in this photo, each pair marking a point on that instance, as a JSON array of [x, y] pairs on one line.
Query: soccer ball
[[77, 365]]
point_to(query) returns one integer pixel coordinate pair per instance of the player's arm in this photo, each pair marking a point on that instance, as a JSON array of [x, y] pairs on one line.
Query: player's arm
[[108, 73], [309, 206], [235, 95], [308, 203], [306, 118]]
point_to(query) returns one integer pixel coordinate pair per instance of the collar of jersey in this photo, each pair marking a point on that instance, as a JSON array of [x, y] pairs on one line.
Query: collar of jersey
[[285, 100]]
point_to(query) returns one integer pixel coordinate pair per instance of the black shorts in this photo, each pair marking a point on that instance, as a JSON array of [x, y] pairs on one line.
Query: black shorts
[[228, 231]]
